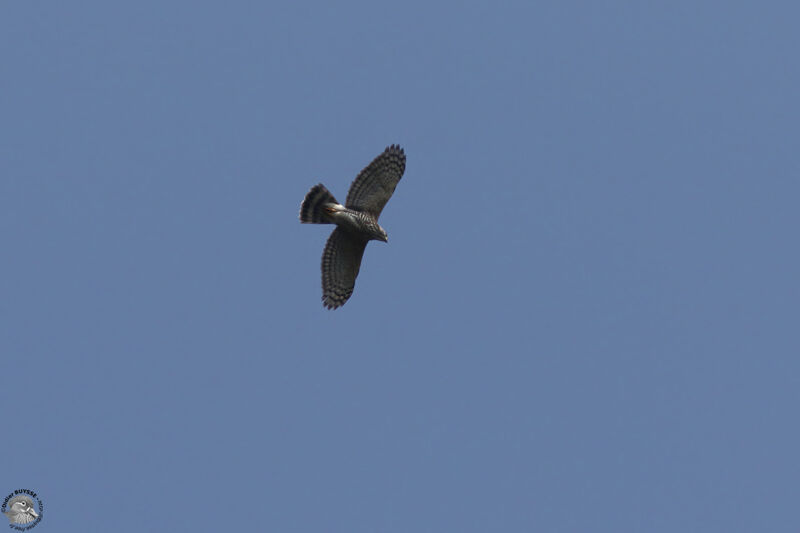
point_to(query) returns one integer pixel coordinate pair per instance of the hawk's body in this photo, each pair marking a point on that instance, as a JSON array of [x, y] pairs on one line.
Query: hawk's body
[[356, 222]]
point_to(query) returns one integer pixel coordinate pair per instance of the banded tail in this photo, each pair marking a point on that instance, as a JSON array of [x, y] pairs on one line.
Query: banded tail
[[312, 210]]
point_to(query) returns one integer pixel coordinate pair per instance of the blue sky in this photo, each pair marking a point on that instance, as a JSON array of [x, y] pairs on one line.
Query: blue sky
[[585, 319]]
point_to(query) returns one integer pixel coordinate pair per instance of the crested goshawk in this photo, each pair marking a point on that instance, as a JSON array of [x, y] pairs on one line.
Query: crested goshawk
[[356, 222]]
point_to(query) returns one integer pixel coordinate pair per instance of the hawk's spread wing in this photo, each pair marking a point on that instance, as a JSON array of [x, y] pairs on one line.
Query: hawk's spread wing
[[341, 261], [374, 185]]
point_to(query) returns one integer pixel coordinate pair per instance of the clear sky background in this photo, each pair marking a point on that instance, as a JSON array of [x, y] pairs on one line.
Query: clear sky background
[[585, 319]]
